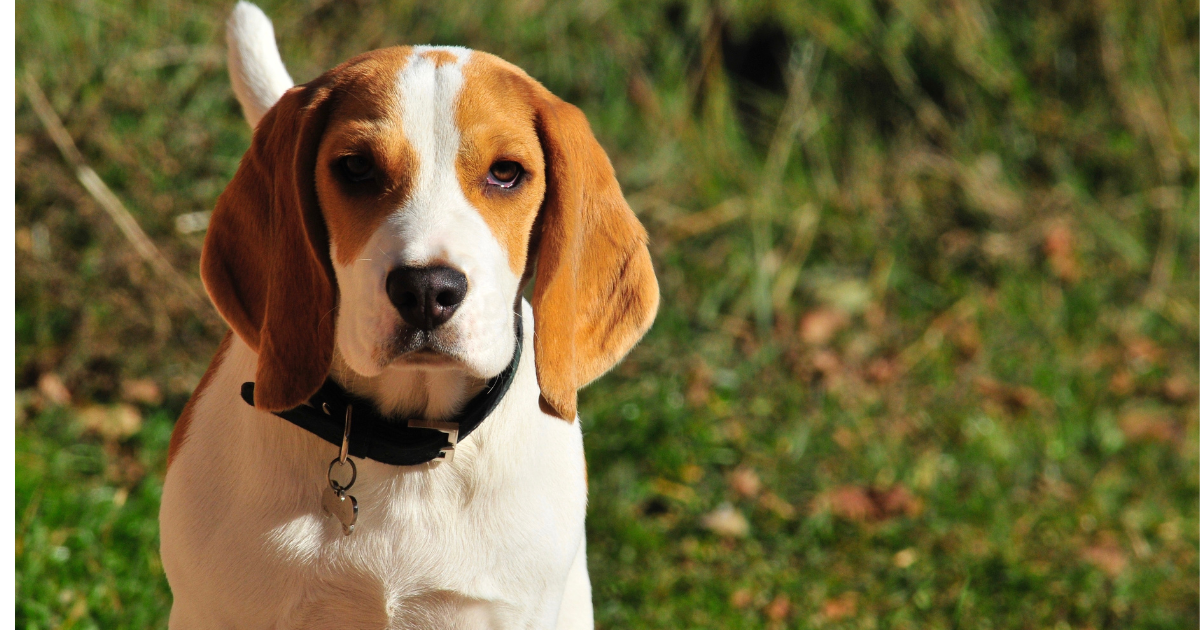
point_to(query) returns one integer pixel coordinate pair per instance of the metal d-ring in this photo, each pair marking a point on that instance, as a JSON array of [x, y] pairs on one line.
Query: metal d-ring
[[333, 483]]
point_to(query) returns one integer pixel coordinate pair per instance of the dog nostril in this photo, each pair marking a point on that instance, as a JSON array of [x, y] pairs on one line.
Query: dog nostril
[[426, 297]]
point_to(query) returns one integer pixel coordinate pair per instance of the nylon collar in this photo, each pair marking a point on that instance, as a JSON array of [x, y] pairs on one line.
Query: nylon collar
[[395, 441]]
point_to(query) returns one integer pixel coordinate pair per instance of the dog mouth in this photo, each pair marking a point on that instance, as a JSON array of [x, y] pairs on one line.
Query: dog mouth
[[412, 346]]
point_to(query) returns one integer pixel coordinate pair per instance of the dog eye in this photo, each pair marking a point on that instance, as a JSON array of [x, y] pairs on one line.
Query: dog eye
[[505, 174], [357, 168]]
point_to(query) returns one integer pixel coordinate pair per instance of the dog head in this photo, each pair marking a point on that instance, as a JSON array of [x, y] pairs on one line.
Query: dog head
[[393, 209]]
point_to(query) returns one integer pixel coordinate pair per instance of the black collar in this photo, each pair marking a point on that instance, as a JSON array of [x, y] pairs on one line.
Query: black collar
[[394, 441]]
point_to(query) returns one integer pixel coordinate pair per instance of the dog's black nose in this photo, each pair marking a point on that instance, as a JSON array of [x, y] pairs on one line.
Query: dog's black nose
[[426, 296]]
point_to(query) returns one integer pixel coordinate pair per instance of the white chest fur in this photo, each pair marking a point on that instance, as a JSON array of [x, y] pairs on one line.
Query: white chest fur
[[492, 539]]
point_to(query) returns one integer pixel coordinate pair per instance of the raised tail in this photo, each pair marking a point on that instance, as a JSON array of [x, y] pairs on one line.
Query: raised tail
[[255, 68]]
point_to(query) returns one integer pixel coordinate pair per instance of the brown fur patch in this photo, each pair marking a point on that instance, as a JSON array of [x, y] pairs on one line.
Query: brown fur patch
[[495, 118], [368, 123], [179, 433], [440, 57]]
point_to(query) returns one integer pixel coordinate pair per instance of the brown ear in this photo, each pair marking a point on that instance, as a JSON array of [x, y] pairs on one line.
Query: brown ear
[[595, 293], [266, 255]]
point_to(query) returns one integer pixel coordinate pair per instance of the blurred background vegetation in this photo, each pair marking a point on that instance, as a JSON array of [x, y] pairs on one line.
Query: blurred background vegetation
[[927, 356]]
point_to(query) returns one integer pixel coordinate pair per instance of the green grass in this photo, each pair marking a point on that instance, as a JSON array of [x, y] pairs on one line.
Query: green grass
[[992, 208]]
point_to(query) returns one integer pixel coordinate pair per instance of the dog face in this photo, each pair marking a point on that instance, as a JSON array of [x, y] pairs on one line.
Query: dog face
[[393, 209], [430, 175]]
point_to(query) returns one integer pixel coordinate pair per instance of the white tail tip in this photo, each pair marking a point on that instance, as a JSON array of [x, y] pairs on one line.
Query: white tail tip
[[255, 68]]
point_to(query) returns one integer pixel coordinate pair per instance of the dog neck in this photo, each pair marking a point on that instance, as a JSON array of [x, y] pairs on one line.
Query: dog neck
[[432, 394]]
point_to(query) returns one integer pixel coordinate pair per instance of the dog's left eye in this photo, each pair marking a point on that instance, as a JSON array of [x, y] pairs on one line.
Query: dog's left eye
[[357, 168], [505, 174]]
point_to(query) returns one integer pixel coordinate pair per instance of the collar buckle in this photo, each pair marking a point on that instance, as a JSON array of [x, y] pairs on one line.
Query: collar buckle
[[451, 431]]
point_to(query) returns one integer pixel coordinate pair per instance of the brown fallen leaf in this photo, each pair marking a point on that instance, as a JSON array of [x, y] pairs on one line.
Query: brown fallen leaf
[[896, 501], [142, 390], [881, 371], [1121, 382], [1179, 388], [741, 598], [856, 503], [779, 608], [1143, 425], [51, 386], [853, 503], [840, 607], [745, 482], [818, 327], [1060, 252], [1107, 557], [1014, 398], [1142, 351], [827, 363]]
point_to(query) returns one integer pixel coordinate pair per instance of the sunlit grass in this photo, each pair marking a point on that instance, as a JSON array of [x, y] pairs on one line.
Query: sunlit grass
[[927, 356]]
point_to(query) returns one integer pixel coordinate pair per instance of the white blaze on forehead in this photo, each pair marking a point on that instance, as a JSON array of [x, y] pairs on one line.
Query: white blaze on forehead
[[429, 88]]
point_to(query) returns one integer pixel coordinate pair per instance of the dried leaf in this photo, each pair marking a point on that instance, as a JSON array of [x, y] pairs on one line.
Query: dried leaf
[[779, 608], [745, 482], [856, 503], [1014, 398], [819, 327], [881, 371], [1121, 382], [726, 521], [845, 605], [827, 363], [1143, 425], [853, 503], [142, 390], [904, 558], [1178, 388], [52, 387], [1108, 558], [1060, 252], [1142, 352], [741, 598]]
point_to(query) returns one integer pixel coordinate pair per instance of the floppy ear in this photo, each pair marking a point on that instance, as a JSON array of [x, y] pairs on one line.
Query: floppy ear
[[595, 294], [266, 262]]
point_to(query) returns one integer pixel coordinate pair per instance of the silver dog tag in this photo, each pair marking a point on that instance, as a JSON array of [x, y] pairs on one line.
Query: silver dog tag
[[341, 505], [334, 499]]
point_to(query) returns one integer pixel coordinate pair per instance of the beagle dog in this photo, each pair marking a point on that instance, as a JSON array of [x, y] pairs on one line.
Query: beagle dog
[[388, 437]]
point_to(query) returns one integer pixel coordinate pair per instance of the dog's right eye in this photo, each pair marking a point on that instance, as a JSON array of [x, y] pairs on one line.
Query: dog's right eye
[[357, 168]]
